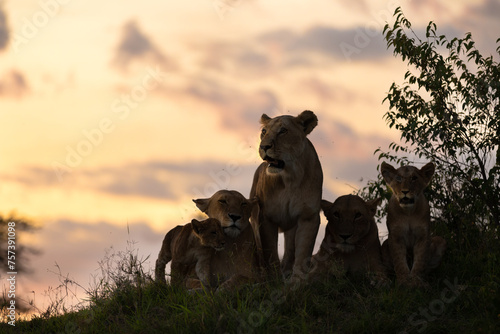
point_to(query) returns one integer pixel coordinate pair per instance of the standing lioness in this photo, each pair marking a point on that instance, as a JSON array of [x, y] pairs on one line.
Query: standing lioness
[[288, 184], [409, 249]]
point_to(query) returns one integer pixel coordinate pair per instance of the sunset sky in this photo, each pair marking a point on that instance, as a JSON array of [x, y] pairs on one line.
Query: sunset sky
[[117, 113]]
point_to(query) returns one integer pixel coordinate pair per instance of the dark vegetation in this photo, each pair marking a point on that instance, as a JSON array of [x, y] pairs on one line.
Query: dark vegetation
[[448, 112], [21, 255]]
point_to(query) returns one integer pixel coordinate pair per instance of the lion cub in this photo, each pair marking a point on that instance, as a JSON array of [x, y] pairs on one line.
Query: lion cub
[[190, 245], [409, 249], [351, 238]]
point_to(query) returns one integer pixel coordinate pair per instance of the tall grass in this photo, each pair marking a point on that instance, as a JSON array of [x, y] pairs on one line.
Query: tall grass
[[464, 296]]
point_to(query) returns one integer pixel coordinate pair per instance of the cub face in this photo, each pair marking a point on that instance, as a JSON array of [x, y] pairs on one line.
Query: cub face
[[231, 208], [210, 233], [407, 182], [283, 139], [349, 220]]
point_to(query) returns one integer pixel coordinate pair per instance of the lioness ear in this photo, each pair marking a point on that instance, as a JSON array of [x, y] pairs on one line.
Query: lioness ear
[[427, 172], [264, 119], [308, 120], [388, 172], [325, 205], [197, 226], [373, 204], [202, 204]]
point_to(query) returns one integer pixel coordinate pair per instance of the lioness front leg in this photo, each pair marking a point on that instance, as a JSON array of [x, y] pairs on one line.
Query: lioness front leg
[[305, 237], [289, 255], [397, 249], [378, 269], [269, 237], [420, 256], [203, 270], [177, 273]]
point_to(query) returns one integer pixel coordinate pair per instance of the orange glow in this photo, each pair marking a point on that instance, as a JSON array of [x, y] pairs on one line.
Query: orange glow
[[119, 113]]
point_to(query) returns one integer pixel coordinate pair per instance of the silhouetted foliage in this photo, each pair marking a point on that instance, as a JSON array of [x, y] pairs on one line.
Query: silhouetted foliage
[[22, 251], [19, 253], [447, 111]]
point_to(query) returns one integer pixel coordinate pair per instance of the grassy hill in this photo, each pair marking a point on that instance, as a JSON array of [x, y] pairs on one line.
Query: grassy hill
[[463, 297]]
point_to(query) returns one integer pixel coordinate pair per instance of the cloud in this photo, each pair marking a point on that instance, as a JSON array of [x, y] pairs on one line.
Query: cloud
[[13, 84], [489, 9], [139, 180], [357, 43], [346, 156], [4, 29], [134, 46], [483, 19], [338, 94], [282, 49], [239, 110], [34, 176], [166, 180], [246, 58], [153, 179], [334, 138], [139, 185]]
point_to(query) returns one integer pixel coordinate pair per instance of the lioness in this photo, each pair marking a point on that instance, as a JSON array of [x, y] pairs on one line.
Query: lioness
[[240, 261], [408, 222], [288, 184], [351, 237], [190, 245]]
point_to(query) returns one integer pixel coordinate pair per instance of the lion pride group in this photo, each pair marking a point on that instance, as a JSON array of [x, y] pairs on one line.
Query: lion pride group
[[238, 243]]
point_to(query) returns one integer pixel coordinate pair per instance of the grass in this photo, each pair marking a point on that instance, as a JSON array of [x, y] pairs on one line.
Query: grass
[[463, 297]]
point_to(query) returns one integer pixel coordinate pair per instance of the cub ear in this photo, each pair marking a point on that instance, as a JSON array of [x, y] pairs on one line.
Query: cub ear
[[373, 204], [197, 226], [427, 172], [202, 204], [308, 120], [325, 205], [264, 119], [388, 172]]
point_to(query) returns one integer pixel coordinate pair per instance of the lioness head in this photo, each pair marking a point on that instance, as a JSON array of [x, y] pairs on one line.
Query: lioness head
[[407, 182], [282, 139], [209, 232], [230, 207], [349, 220]]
